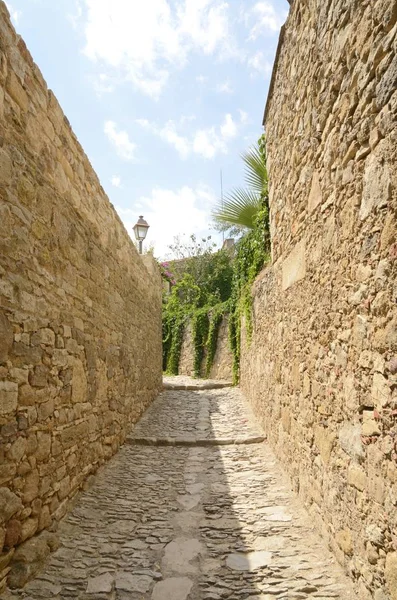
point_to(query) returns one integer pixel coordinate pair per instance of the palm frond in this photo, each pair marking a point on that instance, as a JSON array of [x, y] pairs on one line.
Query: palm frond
[[238, 208], [255, 169]]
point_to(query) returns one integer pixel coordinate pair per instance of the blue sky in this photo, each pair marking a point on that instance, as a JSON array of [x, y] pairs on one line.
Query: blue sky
[[162, 95]]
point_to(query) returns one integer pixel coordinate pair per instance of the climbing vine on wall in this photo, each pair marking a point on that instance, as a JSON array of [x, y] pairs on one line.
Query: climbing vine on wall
[[190, 302], [200, 326], [173, 329], [216, 315], [205, 323]]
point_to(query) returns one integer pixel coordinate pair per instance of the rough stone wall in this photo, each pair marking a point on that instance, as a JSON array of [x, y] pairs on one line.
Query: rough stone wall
[[223, 360], [80, 316], [321, 371]]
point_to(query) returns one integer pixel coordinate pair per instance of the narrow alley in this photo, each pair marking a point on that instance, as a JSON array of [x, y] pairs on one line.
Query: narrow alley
[[193, 507]]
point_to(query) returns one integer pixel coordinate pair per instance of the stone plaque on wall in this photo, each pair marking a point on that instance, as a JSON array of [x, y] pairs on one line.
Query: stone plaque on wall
[[294, 266]]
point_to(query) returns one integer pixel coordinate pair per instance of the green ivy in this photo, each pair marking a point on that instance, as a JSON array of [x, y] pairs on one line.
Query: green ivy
[[167, 339], [200, 326], [172, 354], [205, 323], [204, 280], [217, 314], [234, 340]]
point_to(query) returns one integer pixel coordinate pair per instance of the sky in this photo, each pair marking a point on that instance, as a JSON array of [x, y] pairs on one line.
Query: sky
[[163, 95]]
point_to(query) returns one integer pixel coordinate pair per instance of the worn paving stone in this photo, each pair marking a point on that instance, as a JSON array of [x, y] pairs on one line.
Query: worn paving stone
[[101, 584], [190, 523], [203, 414], [174, 588], [249, 561]]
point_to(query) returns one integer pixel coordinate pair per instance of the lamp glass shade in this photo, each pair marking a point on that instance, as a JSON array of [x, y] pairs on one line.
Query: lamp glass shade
[[140, 229]]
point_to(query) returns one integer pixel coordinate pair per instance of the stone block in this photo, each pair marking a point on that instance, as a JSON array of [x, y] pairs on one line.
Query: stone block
[[74, 434], [10, 504], [45, 410], [8, 397], [30, 557], [31, 488], [391, 574], [13, 533], [356, 477], [5, 559], [43, 445], [6, 336], [5, 167], [7, 472], [64, 488], [345, 542], [387, 85], [26, 355], [325, 440], [44, 336], [286, 419], [18, 449], [79, 382], [315, 196], [45, 518], [38, 378], [381, 392], [377, 184], [370, 428], [350, 441], [17, 92], [1, 103], [2, 536], [294, 266]]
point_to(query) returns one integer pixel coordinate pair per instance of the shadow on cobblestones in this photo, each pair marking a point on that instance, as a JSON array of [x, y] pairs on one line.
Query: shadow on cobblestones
[[190, 523]]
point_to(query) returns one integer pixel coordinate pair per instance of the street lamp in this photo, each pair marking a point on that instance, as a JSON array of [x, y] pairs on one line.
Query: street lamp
[[140, 230]]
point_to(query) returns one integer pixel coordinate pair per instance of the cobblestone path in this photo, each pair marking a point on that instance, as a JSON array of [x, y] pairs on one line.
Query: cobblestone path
[[177, 516]]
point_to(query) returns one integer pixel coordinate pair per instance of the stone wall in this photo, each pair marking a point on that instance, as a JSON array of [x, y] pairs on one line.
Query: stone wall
[[223, 359], [80, 316], [321, 371]]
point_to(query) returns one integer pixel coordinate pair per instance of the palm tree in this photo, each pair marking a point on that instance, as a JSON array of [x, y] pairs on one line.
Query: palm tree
[[241, 206]]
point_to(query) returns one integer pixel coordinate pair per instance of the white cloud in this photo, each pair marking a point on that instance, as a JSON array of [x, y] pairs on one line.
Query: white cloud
[[180, 143], [187, 119], [201, 79], [116, 181], [169, 212], [243, 116], [229, 128], [209, 142], [102, 84], [144, 40], [259, 65], [120, 140], [75, 17], [265, 18], [15, 14], [206, 142], [224, 88], [205, 22], [169, 134]]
